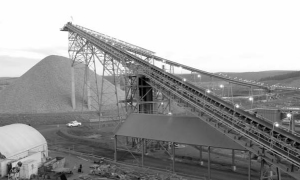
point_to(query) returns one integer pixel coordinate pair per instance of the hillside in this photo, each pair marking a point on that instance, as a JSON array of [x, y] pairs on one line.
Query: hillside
[[5, 81], [256, 75], [285, 76], [244, 75], [46, 87]]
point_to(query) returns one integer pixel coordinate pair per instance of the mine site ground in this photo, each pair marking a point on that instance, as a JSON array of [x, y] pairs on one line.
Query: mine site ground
[[51, 110], [97, 139]]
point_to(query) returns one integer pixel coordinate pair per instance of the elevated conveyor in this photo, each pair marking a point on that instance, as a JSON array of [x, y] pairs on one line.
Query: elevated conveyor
[[276, 146], [151, 55]]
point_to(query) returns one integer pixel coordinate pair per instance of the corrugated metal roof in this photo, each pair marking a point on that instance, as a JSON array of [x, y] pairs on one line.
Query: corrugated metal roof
[[18, 138], [184, 130]]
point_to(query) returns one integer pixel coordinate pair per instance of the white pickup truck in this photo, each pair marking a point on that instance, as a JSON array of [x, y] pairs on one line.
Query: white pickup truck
[[74, 124]]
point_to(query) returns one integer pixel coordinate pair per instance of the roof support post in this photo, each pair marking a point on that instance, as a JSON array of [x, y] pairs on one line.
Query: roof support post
[[249, 166], [143, 151], [116, 145], [201, 158], [208, 164], [173, 157], [233, 159]]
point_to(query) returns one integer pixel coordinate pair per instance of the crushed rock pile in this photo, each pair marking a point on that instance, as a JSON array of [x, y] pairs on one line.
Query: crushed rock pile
[[46, 88]]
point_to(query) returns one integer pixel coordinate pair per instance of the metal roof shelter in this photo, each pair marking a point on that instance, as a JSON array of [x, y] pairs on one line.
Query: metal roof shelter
[[184, 130], [175, 129], [17, 138]]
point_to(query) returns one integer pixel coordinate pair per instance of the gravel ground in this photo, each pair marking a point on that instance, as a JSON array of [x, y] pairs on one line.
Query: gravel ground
[[46, 87]]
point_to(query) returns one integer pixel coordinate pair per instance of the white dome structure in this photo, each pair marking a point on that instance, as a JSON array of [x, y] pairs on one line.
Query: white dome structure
[[19, 142], [17, 138]]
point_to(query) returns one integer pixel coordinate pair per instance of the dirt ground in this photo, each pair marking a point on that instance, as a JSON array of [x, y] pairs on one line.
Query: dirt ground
[[73, 162], [81, 139], [95, 138]]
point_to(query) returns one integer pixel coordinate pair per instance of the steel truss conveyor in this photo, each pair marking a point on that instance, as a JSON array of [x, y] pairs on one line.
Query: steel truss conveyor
[[275, 145], [151, 55]]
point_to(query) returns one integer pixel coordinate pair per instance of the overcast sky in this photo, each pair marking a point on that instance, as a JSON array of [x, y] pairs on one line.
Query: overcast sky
[[215, 36]]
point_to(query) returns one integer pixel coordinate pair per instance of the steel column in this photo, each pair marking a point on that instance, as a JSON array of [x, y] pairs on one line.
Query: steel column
[[233, 159], [249, 166], [143, 151], [201, 160], [73, 88], [262, 165], [173, 158], [208, 163], [292, 123], [87, 73], [278, 172], [116, 145]]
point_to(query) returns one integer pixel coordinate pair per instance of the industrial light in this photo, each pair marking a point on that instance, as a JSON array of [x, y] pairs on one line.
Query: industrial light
[[250, 98], [162, 103], [237, 106], [184, 79], [207, 90], [276, 124], [221, 86], [289, 115], [198, 75], [169, 113]]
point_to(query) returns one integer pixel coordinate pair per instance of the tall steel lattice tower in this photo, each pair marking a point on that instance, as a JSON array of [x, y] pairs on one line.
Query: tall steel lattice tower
[[127, 90]]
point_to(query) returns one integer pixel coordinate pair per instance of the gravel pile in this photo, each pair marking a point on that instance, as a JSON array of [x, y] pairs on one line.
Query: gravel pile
[[46, 88]]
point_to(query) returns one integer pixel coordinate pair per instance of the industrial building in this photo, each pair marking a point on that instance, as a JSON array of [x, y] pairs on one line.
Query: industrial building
[[21, 143]]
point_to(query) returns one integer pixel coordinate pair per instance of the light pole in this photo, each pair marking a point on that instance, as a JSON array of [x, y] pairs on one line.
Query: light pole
[[275, 124], [180, 68], [251, 99], [222, 87], [236, 106], [207, 91], [199, 76], [292, 123]]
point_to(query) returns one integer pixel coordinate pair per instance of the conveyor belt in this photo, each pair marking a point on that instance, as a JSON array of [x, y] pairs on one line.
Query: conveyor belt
[[275, 145], [149, 54]]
